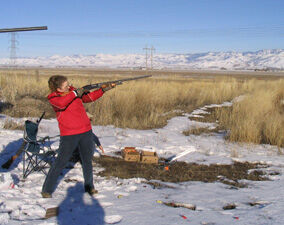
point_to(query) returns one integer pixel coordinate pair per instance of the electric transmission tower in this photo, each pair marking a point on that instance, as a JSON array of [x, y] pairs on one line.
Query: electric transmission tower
[[13, 55], [13, 41], [146, 57], [152, 49]]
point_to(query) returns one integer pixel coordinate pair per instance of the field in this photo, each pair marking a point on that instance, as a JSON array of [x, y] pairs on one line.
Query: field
[[207, 125], [149, 103]]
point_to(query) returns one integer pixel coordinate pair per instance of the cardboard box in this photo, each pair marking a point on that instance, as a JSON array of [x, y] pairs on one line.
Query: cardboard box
[[130, 154], [149, 157]]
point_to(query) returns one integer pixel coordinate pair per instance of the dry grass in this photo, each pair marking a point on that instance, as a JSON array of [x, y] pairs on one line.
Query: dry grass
[[259, 118], [142, 104], [12, 125], [199, 130], [149, 103]]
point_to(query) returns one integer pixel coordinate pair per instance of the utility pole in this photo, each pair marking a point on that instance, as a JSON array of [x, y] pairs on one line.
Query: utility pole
[[146, 49], [152, 50]]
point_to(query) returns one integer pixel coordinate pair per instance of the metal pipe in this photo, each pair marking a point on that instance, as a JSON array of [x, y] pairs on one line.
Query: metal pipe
[[6, 30]]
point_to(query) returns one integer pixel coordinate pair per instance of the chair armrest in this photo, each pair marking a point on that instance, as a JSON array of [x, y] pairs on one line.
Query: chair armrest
[[43, 139]]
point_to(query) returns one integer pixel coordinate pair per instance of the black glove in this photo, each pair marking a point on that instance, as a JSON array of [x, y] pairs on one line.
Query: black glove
[[80, 92], [108, 86]]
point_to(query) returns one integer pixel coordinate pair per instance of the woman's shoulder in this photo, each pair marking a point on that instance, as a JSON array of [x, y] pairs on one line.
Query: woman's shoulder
[[52, 95]]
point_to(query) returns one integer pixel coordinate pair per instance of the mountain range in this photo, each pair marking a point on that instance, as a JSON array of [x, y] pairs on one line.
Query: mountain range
[[272, 59]]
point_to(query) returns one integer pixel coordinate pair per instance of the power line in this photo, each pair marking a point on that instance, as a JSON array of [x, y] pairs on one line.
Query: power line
[[249, 31]]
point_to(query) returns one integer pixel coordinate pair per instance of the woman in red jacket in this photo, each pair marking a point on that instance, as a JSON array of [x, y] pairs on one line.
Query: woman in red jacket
[[75, 130]]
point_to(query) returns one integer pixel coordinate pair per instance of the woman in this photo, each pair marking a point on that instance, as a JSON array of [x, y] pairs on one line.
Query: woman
[[75, 130]]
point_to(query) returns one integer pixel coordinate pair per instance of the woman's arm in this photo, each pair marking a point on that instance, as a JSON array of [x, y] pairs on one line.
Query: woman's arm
[[61, 102], [92, 96]]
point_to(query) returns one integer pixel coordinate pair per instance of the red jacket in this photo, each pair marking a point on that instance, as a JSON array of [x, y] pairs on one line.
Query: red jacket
[[70, 112]]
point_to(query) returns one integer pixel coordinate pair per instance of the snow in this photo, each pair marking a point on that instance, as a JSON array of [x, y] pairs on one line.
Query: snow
[[263, 59], [131, 201]]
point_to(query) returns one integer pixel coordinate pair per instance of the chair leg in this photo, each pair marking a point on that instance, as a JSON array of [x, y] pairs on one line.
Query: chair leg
[[35, 163], [31, 164], [24, 164], [27, 169]]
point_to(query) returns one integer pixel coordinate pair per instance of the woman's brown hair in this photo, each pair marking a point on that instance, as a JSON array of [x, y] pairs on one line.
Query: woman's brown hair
[[55, 82]]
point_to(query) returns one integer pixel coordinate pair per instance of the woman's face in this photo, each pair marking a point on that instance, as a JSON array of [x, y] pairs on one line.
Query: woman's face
[[64, 87]]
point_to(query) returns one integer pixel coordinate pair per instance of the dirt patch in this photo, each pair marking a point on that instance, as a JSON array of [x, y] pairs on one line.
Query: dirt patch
[[158, 185], [181, 171], [201, 130]]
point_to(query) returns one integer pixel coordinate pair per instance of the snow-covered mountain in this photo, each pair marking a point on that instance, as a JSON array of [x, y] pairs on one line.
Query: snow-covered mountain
[[263, 59]]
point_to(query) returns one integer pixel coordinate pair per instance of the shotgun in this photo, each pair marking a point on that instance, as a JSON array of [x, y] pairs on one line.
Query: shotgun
[[117, 82]]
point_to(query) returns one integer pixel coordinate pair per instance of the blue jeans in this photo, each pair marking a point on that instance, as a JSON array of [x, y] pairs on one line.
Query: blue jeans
[[84, 142], [76, 155]]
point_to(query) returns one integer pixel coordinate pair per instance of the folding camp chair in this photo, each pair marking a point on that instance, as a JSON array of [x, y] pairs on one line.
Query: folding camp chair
[[38, 155]]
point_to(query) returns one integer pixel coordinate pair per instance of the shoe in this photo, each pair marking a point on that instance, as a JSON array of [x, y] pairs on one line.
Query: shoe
[[90, 191], [46, 195], [93, 191]]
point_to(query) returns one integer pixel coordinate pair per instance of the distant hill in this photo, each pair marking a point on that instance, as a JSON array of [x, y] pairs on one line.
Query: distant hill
[[260, 60]]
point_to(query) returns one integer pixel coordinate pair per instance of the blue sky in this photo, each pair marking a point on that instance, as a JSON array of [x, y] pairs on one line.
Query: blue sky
[[126, 26]]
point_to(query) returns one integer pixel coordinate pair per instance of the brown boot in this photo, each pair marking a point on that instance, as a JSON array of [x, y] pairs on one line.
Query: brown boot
[[93, 191], [90, 191], [46, 195]]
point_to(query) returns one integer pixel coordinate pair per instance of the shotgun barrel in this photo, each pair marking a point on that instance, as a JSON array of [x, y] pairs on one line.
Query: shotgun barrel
[[117, 82]]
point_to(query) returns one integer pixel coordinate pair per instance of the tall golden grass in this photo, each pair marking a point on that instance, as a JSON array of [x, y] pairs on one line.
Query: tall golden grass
[[259, 117], [149, 103]]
